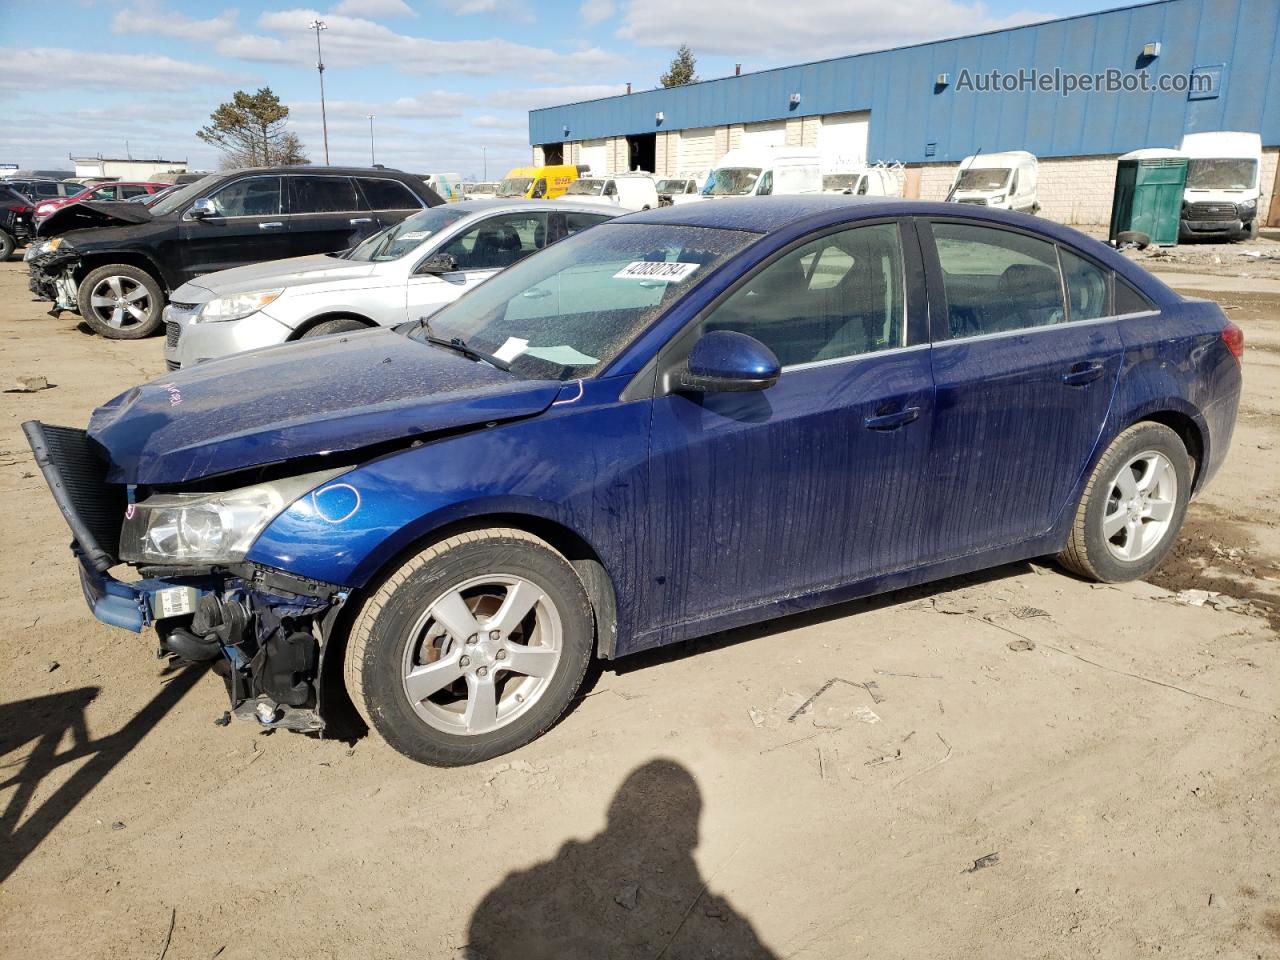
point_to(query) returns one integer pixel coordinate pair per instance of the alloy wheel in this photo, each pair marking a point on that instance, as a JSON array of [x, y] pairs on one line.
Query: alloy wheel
[[1141, 504], [482, 654], [120, 302]]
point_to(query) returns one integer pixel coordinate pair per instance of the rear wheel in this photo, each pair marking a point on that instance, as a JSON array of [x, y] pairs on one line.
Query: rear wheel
[[120, 301], [336, 325], [1133, 506], [472, 648], [7, 245]]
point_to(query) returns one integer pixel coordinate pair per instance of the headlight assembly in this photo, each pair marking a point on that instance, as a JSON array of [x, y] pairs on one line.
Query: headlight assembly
[[208, 527], [237, 306]]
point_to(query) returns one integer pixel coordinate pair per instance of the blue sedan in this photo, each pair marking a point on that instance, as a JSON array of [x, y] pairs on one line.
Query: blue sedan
[[681, 421]]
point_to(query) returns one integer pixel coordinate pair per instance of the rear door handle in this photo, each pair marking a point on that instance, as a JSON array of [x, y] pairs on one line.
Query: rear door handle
[[356, 220], [270, 226], [892, 421], [1082, 373]]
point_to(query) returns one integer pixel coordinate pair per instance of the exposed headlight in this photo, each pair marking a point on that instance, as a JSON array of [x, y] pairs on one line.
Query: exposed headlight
[[209, 527], [48, 246], [237, 306], [998, 198]]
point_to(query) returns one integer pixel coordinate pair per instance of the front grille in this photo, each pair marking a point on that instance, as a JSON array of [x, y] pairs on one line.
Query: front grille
[[183, 307], [981, 203], [77, 477], [1211, 211], [172, 333], [172, 365]]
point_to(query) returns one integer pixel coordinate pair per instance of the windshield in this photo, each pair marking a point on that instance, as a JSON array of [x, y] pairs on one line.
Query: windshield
[[731, 181], [585, 188], [181, 198], [983, 178], [407, 235], [1234, 174], [671, 186], [567, 311], [840, 181], [514, 186]]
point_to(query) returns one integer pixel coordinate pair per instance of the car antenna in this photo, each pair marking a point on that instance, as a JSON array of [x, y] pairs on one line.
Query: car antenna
[[956, 186]]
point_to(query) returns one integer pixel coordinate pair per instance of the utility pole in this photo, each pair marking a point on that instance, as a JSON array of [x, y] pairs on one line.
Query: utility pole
[[484, 158], [371, 160], [317, 26]]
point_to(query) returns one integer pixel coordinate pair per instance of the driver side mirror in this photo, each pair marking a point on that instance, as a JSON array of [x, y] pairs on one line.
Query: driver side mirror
[[439, 263], [725, 361], [202, 208]]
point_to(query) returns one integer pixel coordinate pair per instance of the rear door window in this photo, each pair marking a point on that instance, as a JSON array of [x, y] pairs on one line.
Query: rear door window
[[996, 281], [388, 194], [130, 190], [251, 197], [322, 195]]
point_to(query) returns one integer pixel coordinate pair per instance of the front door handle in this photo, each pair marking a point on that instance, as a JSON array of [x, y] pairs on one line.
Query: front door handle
[[892, 421], [356, 220], [1082, 373], [270, 226]]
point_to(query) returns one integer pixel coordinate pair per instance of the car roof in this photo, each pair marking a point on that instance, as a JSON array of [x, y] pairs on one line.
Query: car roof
[[514, 204], [309, 169], [757, 214]]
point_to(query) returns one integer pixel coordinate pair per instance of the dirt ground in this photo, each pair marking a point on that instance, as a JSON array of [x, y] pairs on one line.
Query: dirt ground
[[1013, 765]]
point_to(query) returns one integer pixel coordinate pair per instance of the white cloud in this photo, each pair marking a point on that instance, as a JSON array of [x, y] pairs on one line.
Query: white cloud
[[62, 68], [433, 105], [150, 16], [594, 11], [375, 8], [535, 97], [509, 9], [356, 42], [804, 31], [489, 122]]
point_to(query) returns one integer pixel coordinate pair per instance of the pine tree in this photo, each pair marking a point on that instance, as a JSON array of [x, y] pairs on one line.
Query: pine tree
[[250, 131], [681, 70]]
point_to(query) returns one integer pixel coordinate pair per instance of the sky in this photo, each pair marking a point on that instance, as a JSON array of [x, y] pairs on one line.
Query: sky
[[449, 84]]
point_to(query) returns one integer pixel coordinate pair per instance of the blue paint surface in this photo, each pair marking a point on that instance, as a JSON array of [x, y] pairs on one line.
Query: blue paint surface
[[908, 111], [709, 510]]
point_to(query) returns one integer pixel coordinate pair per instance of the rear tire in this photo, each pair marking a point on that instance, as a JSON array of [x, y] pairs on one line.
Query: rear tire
[[1132, 507], [337, 325], [120, 302], [7, 245], [472, 648]]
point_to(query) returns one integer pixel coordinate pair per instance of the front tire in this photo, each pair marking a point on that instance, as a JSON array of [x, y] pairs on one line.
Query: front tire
[[337, 325], [120, 302], [472, 648], [7, 245], [1132, 507]]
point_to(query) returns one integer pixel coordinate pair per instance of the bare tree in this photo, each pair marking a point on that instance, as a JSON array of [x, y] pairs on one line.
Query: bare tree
[[250, 131]]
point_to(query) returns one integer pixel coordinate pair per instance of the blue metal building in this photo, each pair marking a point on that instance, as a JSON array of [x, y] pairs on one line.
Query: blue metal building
[[923, 111]]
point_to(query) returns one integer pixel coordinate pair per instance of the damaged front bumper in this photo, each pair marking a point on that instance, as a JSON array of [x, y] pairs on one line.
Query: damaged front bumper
[[265, 630], [51, 276]]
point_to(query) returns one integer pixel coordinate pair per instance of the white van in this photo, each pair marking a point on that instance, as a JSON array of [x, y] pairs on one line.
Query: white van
[[681, 188], [748, 172], [629, 191], [1221, 196], [862, 182], [1006, 180], [447, 185]]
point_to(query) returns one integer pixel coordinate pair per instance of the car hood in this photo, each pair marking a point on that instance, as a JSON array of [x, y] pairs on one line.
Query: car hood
[[296, 271], [92, 213], [306, 399]]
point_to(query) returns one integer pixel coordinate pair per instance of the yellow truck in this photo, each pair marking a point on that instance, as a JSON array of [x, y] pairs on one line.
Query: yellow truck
[[538, 183]]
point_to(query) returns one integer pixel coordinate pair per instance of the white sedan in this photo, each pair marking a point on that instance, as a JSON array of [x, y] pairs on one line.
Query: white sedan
[[402, 273]]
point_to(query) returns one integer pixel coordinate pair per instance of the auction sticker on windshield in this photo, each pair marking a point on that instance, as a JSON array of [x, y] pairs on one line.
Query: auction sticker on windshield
[[660, 270]]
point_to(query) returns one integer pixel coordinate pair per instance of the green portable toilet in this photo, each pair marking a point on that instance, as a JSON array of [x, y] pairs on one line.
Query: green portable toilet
[[1148, 196]]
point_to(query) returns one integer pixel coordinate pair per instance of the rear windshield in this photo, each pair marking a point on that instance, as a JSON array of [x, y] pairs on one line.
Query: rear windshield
[[568, 310], [407, 235]]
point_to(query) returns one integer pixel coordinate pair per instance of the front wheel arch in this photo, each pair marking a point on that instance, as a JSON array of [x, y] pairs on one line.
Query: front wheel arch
[[311, 323]]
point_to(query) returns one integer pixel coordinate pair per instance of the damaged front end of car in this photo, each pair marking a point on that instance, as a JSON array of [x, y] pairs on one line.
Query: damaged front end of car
[[51, 272], [264, 630]]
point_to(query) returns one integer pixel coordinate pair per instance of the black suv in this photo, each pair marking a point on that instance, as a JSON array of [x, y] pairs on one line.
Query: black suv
[[117, 274]]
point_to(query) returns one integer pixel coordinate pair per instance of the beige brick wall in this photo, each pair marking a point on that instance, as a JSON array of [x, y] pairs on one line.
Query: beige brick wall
[[537, 156], [809, 131], [795, 132], [618, 155], [724, 139], [735, 139], [1267, 183], [1074, 190]]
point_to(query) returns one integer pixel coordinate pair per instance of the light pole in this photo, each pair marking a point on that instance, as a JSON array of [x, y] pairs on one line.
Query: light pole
[[484, 158], [317, 26], [371, 160]]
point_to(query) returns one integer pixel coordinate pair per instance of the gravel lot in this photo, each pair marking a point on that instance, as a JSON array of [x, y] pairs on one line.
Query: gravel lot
[[1012, 765]]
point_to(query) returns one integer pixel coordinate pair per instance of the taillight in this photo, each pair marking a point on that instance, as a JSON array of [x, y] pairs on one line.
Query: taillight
[[21, 209], [1233, 337]]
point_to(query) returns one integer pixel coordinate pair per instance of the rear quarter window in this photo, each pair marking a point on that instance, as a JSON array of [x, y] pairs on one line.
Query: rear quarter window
[[388, 194], [1128, 299]]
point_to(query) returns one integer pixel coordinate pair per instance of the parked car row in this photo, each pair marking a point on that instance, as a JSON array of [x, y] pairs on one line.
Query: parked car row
[[633, 432]]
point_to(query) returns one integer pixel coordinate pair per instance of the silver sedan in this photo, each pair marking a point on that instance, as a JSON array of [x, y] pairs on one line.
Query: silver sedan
[[402, 273]]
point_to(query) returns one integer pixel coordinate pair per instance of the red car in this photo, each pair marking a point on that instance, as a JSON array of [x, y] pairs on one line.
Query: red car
[[107, 191]]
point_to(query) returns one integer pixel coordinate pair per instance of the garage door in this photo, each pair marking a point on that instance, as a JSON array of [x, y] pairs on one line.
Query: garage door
[[697, 150], [756, 136], [595, 154], [842, 137]]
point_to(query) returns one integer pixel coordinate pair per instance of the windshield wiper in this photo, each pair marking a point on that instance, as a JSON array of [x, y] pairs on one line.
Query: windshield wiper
[[460, 346]]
